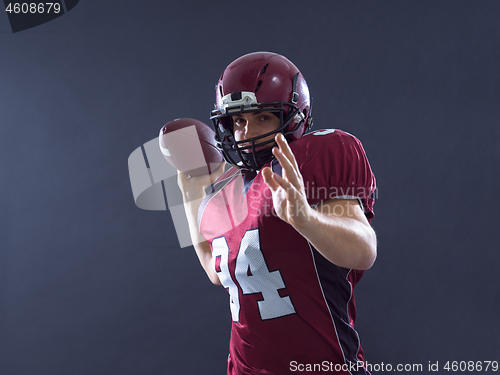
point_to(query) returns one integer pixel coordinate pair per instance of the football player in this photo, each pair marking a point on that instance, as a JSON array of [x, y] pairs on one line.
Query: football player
[[285, 225]]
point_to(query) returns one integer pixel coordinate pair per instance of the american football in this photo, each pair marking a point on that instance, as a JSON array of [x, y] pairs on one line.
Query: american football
[[189, 146]]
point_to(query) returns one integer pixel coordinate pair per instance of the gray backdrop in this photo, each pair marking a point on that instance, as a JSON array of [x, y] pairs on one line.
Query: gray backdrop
[[91, 284]]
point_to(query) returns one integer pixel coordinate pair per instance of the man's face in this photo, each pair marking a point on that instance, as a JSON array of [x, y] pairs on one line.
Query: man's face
[[253, 124]]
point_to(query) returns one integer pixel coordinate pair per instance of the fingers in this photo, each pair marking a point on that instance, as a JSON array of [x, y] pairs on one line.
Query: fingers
[[291, 197], [275, 181], [284, 183], [287, 161], [286, 150], [287, 190], [268, 176]]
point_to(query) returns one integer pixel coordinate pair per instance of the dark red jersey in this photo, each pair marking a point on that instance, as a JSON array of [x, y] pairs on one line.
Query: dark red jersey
[[291, 308]]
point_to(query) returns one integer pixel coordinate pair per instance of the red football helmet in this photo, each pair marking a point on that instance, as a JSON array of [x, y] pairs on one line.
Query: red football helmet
[[260, 81]]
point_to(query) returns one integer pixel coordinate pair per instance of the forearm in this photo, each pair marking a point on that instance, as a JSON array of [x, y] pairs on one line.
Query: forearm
[[201, 246], [344, 241], [207, 262]]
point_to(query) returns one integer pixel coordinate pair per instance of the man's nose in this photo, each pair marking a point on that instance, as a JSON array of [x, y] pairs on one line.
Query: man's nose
[[249, 129]]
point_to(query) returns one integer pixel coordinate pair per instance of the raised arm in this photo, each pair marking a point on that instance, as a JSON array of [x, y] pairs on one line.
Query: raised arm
[[337, 228], [193, 193]]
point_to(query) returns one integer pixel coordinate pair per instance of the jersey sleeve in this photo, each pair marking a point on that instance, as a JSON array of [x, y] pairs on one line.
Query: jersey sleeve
[[333, 164]]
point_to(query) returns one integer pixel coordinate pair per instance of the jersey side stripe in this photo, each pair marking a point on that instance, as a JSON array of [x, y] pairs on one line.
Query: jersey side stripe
[[350, 344]]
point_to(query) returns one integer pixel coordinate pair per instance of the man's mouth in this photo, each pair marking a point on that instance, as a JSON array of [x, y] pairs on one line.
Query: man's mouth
[[256, 148]]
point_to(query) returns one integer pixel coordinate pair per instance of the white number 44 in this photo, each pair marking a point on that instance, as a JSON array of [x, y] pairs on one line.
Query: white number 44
[[253, 276]]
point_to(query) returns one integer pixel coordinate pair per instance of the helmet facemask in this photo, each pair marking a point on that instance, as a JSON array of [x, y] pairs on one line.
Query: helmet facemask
[[244, 154]]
